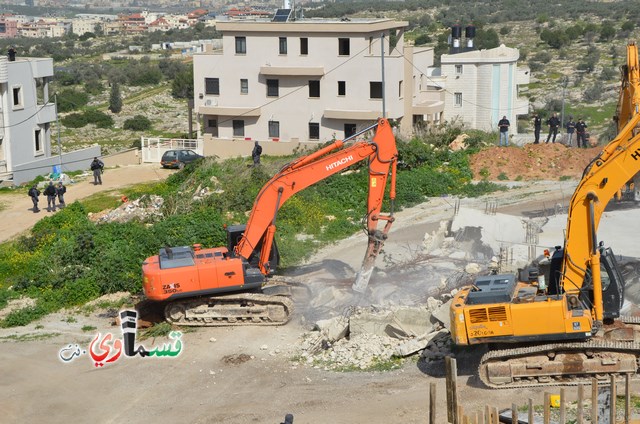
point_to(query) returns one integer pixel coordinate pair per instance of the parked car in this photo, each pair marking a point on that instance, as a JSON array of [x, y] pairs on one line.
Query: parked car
[[178, 158]]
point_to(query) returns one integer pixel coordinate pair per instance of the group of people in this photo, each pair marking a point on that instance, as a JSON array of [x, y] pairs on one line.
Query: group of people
[[579, 128], [52, 192]]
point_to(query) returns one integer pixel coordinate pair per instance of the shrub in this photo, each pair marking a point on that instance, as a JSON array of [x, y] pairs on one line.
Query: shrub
[[100, 119], [502, 176], [69, 100], [75, 120], [137, 123]]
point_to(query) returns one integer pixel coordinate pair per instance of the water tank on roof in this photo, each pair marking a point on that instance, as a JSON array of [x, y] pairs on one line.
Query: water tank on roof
[[470, 31], [456, 31]]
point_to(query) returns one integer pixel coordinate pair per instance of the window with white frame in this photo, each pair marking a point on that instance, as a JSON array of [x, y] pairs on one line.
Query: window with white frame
[[241, 45], [273, 88], [304, 46], [458, 69], [244, 86], [314, 88], [17, 97], [274, 129], [314, 131], [212, 86], [37, 139], [457, 99], [282, 42]]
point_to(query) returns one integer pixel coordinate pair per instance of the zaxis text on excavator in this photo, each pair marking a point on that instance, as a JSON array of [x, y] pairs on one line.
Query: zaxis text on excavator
[[229, 285], [570, 329]]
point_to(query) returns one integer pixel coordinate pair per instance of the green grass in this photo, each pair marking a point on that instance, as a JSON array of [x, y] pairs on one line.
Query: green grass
[[161, 329], [28, 337], [87, 328], [100, 201], [592, 115], [70, 319]]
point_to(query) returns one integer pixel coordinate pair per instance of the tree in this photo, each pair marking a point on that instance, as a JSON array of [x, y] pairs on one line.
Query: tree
[[115, 99], [607, 31], [137, 123], [182, 85], [487, 39]]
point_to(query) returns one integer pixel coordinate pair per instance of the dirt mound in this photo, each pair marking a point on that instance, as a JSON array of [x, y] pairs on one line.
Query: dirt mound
[[531, 162]]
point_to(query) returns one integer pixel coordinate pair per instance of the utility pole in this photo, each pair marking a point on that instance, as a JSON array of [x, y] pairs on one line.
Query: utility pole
[[565, 82], [55, 99], [384, 109]]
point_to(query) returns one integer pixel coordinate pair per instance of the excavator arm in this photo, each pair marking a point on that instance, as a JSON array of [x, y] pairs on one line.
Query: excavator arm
[[382, 154], [618, 163]]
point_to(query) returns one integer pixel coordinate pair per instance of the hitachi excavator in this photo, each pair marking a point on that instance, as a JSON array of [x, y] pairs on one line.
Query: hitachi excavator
[[571, 329], [230, 285]]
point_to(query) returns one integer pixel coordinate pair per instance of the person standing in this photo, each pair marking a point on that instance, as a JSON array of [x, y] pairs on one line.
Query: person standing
[[537, 124], [503, 124], [34, 193], [97, 166], [50, 192], [60, 191], [553, 124], [255, 154], [571, 127], [581, 133]]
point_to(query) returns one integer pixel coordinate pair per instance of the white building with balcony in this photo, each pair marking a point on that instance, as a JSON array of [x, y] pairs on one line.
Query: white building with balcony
[[482, 86], [26, 114], [307, 80]]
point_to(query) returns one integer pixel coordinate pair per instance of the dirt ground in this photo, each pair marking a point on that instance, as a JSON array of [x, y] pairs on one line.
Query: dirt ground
[[246, 374], [532, 162]]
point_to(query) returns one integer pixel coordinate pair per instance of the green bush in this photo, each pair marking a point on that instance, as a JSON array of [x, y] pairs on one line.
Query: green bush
[[69, 100], [100, 119], [74, 120], [137, 123]]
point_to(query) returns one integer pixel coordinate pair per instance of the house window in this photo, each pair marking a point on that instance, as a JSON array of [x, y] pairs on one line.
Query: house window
[[457, 99], [244, 86], [304, 46], [458, 69], [343, 47], [241, 45], [283, 45], [370, 45], [349, 130], [238, 128], [272, 88], [274, 129], [375, 90], [17, 97], [400, 88], [213, 127], [212, 86], [38, 141], [342, 88], [314, 131], [314, 88]]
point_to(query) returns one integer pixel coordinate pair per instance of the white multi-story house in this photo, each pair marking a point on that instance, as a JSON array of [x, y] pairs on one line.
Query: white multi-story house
[[26, 114], [308, 80], [482, 87]]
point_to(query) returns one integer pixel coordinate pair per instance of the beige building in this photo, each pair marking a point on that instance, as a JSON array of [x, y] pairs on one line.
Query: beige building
[[307, 80], [482, 86]]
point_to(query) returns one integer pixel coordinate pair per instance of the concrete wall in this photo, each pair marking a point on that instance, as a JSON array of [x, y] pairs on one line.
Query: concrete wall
[[72, 161], [124, 158], [225, 149]]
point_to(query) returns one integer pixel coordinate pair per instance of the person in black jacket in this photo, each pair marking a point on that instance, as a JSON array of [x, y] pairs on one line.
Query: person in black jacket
[[571, 127], [34, 193], [503, 126], [553, 123], [581, 133], [97, 166], [60, 191], [537, 124], [255, 154], [50, 192]]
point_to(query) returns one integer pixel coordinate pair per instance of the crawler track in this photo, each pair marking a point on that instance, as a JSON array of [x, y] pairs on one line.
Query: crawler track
[[230, 310], [568, 363]]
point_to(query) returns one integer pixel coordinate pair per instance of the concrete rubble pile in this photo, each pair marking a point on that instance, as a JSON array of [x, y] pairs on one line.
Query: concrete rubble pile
[[142, 209]]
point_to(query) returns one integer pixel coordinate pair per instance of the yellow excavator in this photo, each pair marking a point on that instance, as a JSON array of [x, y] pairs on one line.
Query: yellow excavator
[[563, 325]]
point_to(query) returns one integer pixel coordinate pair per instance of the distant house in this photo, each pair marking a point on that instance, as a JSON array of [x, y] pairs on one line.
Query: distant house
[[26, 114]]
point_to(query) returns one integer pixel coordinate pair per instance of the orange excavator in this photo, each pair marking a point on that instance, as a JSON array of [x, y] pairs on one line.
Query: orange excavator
[[230, 285], [563, 324]]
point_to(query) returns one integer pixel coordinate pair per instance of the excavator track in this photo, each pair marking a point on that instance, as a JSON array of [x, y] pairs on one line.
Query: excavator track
[[569, 363], [230, 310]]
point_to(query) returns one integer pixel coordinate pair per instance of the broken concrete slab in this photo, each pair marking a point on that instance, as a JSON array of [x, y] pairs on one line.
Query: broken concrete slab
[[333, 328], [442, 314], [396, 322], [417, 344], [369, 322]]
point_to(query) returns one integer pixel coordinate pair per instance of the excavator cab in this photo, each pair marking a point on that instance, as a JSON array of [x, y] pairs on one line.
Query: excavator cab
[[234, 235]]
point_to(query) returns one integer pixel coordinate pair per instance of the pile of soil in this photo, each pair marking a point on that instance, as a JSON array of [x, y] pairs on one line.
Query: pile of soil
[[551, 161]]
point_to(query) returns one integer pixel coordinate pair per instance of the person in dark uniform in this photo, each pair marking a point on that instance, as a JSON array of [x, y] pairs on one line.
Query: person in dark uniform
[[97, 166], [50, 192], [581, 133], [571, 127], [553, 124], [255, 154], [537, 124], [34, 193]]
